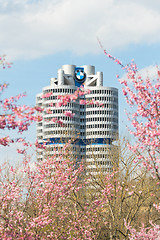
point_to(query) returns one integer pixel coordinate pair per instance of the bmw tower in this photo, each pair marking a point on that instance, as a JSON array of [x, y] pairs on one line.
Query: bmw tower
[[94, 128]]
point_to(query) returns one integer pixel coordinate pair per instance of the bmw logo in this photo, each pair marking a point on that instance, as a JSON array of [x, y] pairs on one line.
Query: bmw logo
[[80, 75]]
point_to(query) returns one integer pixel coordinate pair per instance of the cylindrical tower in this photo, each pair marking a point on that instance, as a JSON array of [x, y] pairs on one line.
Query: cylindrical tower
[[94, 126], [101, 127]]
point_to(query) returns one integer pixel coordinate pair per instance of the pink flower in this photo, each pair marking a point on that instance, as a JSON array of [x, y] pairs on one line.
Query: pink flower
[[83, 102], [60, 122], [49, 111], [54, 119], [38, 109], [47, 95], [124, 92], [59, 104], [21, 151], [69, 114]]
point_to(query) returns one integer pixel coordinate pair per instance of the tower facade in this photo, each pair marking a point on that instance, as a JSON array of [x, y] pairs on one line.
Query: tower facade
[[93, 127]]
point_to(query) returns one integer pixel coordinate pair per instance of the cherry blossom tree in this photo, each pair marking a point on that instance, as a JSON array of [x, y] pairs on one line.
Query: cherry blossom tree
[[53, 199], [12, 115], [143, 96]]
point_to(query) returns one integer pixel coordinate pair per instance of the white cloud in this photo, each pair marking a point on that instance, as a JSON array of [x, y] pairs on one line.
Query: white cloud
[[35, 28], [147, 72]]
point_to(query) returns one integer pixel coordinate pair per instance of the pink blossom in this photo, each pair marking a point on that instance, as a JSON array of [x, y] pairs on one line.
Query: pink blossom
[[69, 114], [60, 122], [83, 102], [20, 151], [47, 95]]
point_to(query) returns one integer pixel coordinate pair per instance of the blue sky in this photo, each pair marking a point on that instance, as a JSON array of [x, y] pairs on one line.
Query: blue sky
[[40, 36]]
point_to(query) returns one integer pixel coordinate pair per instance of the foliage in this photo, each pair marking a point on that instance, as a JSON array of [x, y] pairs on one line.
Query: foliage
[[53, 199]]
